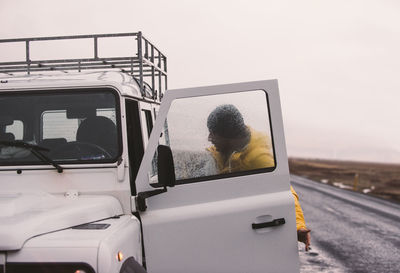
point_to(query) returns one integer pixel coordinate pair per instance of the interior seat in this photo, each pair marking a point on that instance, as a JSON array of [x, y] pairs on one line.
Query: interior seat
[[7, 137], [100, 131]]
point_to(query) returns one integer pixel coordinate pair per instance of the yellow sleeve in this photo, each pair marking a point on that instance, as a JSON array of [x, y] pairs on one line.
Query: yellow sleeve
[[300, 222]]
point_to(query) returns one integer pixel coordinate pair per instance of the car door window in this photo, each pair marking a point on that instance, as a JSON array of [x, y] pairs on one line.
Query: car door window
[[219, 136]]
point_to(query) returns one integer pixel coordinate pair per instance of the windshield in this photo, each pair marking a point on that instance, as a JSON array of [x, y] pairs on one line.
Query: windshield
[[73, 126]]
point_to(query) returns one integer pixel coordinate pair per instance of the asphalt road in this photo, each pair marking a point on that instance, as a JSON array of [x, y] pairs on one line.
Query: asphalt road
[[351, 232]]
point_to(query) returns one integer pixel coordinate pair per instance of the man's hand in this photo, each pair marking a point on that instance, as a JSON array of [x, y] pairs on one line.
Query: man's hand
[[303, 235]]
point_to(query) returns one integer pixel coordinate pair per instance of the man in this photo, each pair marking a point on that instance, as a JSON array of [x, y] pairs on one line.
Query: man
[[237, 147]]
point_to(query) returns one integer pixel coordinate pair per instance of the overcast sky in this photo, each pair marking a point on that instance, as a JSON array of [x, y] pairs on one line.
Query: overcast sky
[[337, 62]]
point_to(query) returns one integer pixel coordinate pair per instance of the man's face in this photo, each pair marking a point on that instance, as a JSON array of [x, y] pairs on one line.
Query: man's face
[[222, 144]]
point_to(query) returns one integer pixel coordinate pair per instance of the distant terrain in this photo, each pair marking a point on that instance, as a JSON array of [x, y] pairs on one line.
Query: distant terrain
[[377, 179]]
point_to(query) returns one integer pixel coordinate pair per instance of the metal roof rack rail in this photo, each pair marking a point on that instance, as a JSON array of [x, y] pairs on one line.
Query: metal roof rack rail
[[146, 63]]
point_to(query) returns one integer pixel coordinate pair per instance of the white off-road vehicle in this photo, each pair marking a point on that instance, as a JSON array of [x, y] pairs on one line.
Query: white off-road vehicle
[[88, 184]]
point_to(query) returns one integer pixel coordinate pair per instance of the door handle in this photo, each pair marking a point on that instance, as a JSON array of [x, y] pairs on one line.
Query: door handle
[[273, 223]]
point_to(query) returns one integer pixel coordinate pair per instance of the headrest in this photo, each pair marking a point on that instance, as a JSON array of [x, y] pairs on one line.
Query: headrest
[[99, 130]]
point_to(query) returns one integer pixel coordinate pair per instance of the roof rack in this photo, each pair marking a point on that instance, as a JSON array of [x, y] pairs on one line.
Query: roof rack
[[147, 63]]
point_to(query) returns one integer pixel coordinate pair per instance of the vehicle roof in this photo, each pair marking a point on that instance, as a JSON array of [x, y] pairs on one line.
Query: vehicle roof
[[124, 82]]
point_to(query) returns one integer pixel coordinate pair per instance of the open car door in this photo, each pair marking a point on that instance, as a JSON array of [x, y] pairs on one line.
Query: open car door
[[219, 217]]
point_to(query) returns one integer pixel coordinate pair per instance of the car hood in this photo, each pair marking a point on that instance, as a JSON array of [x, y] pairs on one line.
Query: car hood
[[25, 215]]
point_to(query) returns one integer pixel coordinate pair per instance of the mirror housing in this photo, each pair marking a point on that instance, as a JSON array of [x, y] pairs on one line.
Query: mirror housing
[[166, 176], [165, 166]]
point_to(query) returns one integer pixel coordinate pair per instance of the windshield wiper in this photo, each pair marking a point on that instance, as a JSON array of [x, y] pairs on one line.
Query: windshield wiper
[[35, 150]]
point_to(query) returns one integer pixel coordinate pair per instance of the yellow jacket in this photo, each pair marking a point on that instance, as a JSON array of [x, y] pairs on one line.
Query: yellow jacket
[[255, 155], [300, 222]]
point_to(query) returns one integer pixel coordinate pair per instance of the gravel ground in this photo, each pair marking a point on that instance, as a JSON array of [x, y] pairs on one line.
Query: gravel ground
[[350, 232], [317, 260]]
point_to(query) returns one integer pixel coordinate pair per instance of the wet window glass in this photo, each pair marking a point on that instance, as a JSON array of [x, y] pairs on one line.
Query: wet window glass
[[66, 126], [219, 136]]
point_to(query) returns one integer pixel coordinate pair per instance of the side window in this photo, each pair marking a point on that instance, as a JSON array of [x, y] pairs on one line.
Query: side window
[[135, 140], [17, 129], [149, 121], [219, 136]]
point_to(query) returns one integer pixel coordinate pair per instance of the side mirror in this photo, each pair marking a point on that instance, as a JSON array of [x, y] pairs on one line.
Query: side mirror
[[165, 166]]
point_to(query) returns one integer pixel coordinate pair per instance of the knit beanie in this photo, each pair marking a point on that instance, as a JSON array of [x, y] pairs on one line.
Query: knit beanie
[[226, 121]]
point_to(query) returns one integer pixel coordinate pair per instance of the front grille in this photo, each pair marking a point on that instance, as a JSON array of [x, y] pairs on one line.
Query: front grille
[[48, 268]]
